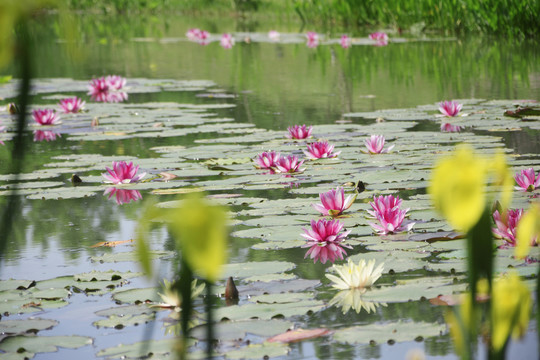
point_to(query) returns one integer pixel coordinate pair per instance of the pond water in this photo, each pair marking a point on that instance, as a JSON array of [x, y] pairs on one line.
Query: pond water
[[202, 113]]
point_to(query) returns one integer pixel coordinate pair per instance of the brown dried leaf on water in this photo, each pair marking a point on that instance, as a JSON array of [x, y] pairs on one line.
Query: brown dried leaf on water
[[445, 300], [111, 243], [167, 176], [299, 335]]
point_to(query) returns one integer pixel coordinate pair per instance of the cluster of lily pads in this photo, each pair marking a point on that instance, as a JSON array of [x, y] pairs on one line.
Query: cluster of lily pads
[[227, 40]]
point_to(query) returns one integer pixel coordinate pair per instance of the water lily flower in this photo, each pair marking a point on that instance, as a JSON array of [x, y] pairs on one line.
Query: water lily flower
[[273, 35], [123, 196], [446, 127], [289, 164], [356, 276], [347, 299], [122, 173], [312, 39], [46, 117], [320, 150], [227, 41], [345, 41], [375, 145], [299, 132], [450, 108], [325, 241], [98, 85], [386, 209], [267, 160], [47, 135], [507, 225], [526, 180], [72, 105], [193, 34], [171, 298], [380, 38], [115, 82], [333, 202]]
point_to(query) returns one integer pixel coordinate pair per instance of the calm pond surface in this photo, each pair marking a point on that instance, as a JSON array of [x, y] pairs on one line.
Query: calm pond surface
[[200, 113]]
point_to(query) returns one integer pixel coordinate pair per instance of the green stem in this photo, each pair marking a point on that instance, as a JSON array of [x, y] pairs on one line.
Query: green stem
[[209, 321]]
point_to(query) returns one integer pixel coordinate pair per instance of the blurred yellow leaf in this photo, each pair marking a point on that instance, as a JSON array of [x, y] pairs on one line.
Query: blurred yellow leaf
[[510, 309], [528, 230], [200, 230]]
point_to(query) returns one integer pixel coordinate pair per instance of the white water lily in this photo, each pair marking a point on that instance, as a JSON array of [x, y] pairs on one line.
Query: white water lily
[[356, 276], [171, 298]]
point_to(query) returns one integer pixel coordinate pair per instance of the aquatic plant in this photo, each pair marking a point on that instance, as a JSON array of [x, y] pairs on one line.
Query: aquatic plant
[[113, 97], [198, 35], [123, 196], [267, 160], [273, 35], [320, 150], [333, 202], [2, 129], [72, 105], [345, 41], [312, 39], [380, 38], [299, 131], [98, 85], [507, 225], [386, 209], [447, 127], [375, 144], [122, 173], [526, 180], [289, 164], [528, 231], [450, 108], [227, 41], [47, 135], [356, 276], [46, 117], [115, 82], [325, 240]]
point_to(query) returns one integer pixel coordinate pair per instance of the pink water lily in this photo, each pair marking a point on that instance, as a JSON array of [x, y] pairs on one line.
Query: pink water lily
[[450, 108], [198, 35], [227, 41], [325, 241], [320, 150], [47, 135], [386, 209], [72, 105], [380, 38], [345, 41], [375, 144], [273, 35], [333, 202], [312, 39], [446, 127], [115, 82], [267, 160], [123, 196], [526, 180], [289, 164], [2, 129], [46, 117], [122, 173], [98, 85], [299, 132], [506, 226]]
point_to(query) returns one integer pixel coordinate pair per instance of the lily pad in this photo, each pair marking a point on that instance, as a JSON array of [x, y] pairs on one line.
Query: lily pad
[[393, 332], [256, 268]]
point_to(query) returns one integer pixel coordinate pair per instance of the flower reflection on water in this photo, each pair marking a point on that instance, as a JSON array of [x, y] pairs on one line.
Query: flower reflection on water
[[123, 196], [352, 298], [47, 135]]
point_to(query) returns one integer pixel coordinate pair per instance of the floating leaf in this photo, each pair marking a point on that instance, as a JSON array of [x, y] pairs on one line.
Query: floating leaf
[[299, 335]]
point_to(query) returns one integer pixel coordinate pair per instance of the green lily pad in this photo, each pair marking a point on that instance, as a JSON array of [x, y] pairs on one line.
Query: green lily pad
[[256, 268], [268, 311], [129, 256], [27, 325], [134, 351], [259, 351], [237, 330], [383, 333], [137, 296]]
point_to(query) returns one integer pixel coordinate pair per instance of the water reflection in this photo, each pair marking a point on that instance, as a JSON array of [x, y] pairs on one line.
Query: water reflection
[[123, 196], [109, 96], [347, 299], [47, 135]]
